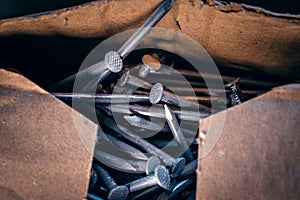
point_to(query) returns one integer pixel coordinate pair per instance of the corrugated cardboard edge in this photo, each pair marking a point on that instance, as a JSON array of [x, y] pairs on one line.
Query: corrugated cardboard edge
[[258, 153], [41, 154], [232, 36]]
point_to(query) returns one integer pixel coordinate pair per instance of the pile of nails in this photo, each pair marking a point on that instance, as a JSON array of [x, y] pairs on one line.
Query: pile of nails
[[147, 147]]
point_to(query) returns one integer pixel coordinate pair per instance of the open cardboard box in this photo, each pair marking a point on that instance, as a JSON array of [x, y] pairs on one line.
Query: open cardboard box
[[42, 157]]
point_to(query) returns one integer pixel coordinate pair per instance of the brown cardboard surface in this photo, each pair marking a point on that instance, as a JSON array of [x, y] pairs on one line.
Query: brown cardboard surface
[[233, 36], [41, 154], [258, 153]]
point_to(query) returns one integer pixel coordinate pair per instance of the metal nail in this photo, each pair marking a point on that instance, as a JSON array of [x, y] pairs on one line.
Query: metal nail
[[102, 98], [135, 153], [160, 143], [177, 133], [158, 94], [236, 94], [176, 165], [157, 112], [179, 187], [150, 63], [146, 166], [93, 179], [189, 169], [160, 177], [91, 196], [137, 37], [137, 166], [115, 192], [133, 81], [146, 194], [94, 74], [143, 123], [149, 125]]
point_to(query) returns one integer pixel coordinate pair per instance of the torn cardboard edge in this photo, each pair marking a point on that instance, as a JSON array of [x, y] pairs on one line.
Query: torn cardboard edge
[[257, 153], [42, 155]]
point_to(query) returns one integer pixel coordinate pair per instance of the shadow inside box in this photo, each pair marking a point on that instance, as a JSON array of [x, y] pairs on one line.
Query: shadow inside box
[[45, 59]]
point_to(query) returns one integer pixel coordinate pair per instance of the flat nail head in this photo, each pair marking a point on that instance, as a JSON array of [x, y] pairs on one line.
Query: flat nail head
[[152, 163], [118, 193], [113, 61], [156, 93], [178, 167], [162, 176], [124, 78], [151, 61]]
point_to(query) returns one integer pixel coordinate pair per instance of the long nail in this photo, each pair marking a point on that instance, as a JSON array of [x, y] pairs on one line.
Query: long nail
[[177, 133], [160, 177], [93, 179], [91, 196], [158, 94], [158, 112], [94, 74], [149, 125], [146, 194], [179, 187], [236, 94], [115, 192], [133, 81], [150, 63], [143, 123], [189, 169], [135, 153], [102, 98], [113, 161], [176, 165], [137, 37], [135, 166]]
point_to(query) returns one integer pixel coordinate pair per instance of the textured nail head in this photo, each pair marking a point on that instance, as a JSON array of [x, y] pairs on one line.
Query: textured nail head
[[162, 176], [156, 93], [113, 61], [152, 163], [118, 193], [177, 167]]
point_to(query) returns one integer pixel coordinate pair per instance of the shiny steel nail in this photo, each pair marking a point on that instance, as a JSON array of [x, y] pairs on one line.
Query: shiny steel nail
[[149, 125], [176, 165], [157, 111], [102, 98], [133, 81], [94, 74], [137, 37], [160, 177], [150, 63], [135, 153], [179, 187], [158, 94], [177, 133], [91, 196], [189, 169], [143, 123], [138, 166], [93, 179], [115, 192], [146, 194], [236, 94]]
